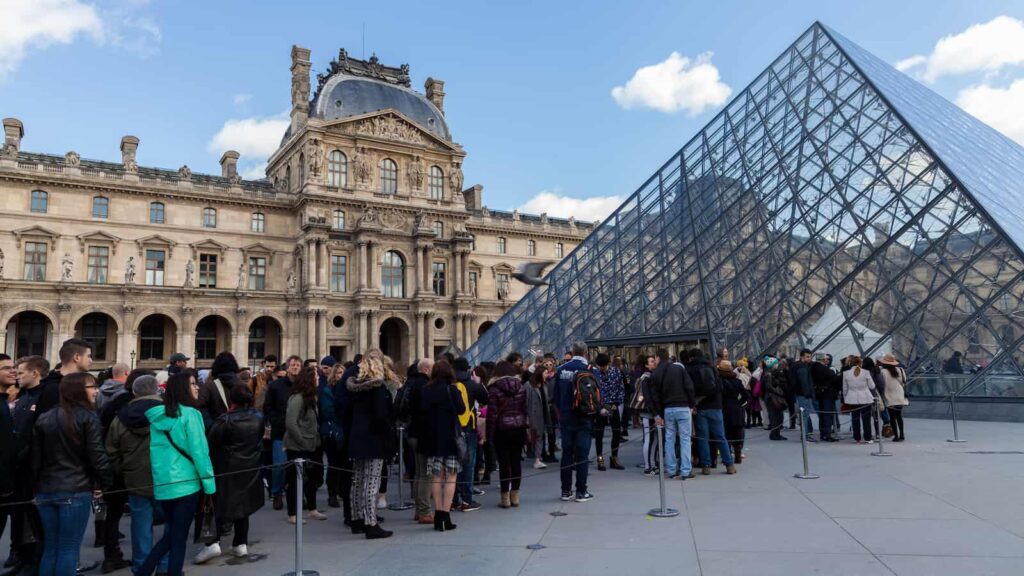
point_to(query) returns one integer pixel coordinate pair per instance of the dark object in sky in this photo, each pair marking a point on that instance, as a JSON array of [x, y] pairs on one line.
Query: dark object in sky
[[531, 272]]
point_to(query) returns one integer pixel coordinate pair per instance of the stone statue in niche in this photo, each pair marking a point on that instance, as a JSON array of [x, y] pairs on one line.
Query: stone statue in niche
[[190, 271], [456, 178], [129, 271], [415, 174], [241, 276], [72, 159], [361, 164], [67, 267], [316, 158], [293, 281], [472, 284]]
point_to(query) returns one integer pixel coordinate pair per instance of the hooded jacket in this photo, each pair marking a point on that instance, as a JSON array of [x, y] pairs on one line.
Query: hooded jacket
[[174, 475], [506, 405], [128, 445], [236, 440], [301, 429], [369, 419], [49, 393], [108, 391]]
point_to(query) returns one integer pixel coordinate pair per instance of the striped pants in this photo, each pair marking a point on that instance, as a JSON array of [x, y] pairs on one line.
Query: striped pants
[[365, 484]]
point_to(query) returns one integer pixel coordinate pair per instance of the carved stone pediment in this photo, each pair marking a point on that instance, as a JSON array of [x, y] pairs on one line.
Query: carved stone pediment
[[390, 125], [393, 219]]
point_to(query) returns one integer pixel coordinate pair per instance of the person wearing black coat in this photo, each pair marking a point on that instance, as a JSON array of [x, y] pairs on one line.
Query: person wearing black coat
[[369, 424], [8, 450], [235, 440], [827, 385], [214, 391], [406, 413], [710, 421], [275, 408], [735, 398]]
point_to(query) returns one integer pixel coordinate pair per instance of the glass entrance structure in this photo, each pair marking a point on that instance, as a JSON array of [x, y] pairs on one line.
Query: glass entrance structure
[[834, 204]]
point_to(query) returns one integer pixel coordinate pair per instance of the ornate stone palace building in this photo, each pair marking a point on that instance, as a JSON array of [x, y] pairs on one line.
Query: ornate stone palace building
[[361, 235]]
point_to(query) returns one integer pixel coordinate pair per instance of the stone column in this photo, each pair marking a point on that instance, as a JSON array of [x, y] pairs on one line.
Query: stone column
[[321, 334], [428, 335], [464, 274], [240, 339], [310, 333], [362, 331], [371, 264], [310, 264], [374, 330], [457, 329], [468, 325], [457, 274], [362, 265], [321, 259], [419, 276], [418, 338], [426, 271]]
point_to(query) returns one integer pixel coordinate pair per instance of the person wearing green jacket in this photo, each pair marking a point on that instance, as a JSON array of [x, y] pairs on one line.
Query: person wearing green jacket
[[181, 468], [301, 440]]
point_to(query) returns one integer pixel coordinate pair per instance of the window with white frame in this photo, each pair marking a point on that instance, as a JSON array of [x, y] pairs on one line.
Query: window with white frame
[[98, 263], [156, 213], [40, 201], [35, 261], [155, 266], [339, 220], [435, 183], [502, 245], [100, 207], [439, 229], [258, 222], [337, 169], [257, 273], [531, 248], [209, 217], [388, 176], [339, 272], [438, 274], [559, 250]]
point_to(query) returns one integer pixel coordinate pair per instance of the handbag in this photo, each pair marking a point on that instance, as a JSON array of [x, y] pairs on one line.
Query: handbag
[[460, 438], [887, 431], [205, 530]]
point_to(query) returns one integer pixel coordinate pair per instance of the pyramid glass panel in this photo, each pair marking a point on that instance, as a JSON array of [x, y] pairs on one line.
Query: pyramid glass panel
[[834, 204]]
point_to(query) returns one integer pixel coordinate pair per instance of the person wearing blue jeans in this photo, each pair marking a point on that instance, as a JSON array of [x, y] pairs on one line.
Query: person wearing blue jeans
[[64, 516], [279, 458], [464, 487], [146, 513], [711, 427], [178, 515], [576, 430], [800, 372], [678, 424]]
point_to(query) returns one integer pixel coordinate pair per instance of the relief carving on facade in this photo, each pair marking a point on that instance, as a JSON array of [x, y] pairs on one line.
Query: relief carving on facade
[[389, 128], [315, 155], [361, 165], [393, 219]]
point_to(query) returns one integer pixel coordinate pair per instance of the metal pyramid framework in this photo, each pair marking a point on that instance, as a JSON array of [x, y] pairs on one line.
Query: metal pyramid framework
[[832, 182]]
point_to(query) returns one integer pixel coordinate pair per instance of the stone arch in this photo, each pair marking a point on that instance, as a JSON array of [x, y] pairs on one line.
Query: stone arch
[[102, 333], [201, 314], [11, 312], [154, 343], [85, 311], [143, 314], [393, 339], [29, 338], [214, 333], [484, 327], [266, 336]]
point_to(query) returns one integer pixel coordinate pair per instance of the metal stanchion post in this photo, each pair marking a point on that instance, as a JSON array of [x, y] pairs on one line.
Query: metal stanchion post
[[956, 431], [878, 419], [402, 503], [664, 511], [803, 447], [299, 463]]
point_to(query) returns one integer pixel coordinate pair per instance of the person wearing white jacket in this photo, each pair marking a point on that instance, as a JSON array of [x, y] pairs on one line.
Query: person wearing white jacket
[[858, 394], [895, 395]]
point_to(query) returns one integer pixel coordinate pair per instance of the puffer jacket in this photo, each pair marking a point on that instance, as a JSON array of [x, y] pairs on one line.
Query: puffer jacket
[[506, 404], [64, 464], [128, 445], [174, 475]]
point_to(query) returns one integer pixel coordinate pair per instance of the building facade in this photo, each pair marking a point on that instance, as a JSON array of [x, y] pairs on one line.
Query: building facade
[[363, 234]]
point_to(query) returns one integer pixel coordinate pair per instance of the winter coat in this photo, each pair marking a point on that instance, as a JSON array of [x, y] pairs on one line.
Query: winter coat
[[275, 406], [369, 419], [895, 388], [824, 380], [565, 387], [215, 391], [535, 409], [506, 405], [236, 442], [175, 475], [302, 431], [49, 393], [613, 388], [127, 445], [8, 449], [774, 385], [330, 428], [801, 375], [670, 386], [61, 463], [108, 391], [706, 384], [734, 399], [857, 388], [435, 409], [24, 414], [404, 409]]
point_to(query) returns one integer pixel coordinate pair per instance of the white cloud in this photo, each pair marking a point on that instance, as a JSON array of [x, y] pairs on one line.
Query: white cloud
[[912, 62], [677, 83], [987, 47], [1001, 108], [42, 23], [254, 138], [583, 209]]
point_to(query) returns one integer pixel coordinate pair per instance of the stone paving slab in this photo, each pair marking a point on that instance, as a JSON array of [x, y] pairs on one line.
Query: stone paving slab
[[932, 508]]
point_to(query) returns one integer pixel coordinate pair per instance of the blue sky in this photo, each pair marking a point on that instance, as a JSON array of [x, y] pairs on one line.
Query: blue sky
[[529, 84]]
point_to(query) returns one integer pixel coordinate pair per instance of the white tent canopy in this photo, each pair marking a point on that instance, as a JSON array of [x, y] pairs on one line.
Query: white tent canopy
[[843, 344]]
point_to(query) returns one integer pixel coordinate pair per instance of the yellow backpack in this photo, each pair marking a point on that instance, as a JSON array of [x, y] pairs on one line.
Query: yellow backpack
[[467, 416]]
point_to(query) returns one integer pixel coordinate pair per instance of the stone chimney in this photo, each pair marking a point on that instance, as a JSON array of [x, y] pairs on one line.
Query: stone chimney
[[300, 87], [435, 93], [474, 197], [129, 145], [229, 164], [13, 131]]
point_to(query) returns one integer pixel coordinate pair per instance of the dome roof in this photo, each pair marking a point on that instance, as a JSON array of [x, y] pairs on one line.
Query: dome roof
[[344, 95]]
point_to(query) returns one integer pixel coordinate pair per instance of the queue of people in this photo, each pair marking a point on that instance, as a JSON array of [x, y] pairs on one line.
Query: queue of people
[[199, 453]]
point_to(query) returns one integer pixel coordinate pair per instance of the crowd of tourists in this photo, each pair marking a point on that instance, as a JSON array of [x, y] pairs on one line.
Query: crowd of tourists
[[189, 452]]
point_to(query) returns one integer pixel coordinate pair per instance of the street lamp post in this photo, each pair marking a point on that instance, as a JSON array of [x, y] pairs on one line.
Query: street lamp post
[[133, 359]]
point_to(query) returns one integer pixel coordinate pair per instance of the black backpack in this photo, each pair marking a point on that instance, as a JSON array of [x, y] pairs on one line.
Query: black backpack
[[705, 383], [586, 399]]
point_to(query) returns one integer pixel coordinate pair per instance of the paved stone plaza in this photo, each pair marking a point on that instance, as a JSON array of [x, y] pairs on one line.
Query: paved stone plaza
[[932, 508]]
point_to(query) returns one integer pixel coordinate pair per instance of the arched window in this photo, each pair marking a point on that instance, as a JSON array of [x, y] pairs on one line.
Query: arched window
[[559, 250], [435, 183], [393, 275], [388, 176], [288, 178], [501, 245], [209, 217], [339, 220], [302, 169], [156, 212], [258, 222], [40, 201], [531, 248], [439, 229], [337, 169], [100, 207]]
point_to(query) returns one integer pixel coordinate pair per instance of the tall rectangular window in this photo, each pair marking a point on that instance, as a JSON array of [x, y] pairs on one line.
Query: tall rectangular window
[[502, 246], [40, 201], [437, 268], [94, 331], [100, 207], [155, 265], [35, 261], [209, 217], [156, 213], [151, 338], [531, 248], [502, 286], [99, 261], [207, 270], [559, 250], [258, 222], [338, 273], [257, 273], [339, 220]]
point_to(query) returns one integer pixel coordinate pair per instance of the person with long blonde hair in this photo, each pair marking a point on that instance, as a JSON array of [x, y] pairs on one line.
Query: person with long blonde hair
[[369, 418], [858, 394]]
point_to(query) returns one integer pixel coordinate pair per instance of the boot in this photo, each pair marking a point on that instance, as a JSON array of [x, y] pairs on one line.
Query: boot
[[600, 464], [706, 471], [375, 532], [446, 519], [616, 465], [506, 500], [100, 532], [358, 527], [738, 454], [730, 468], [513, 498]]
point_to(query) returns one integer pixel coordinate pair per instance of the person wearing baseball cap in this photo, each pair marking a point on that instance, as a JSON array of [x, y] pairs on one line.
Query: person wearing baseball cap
[[178, 363]]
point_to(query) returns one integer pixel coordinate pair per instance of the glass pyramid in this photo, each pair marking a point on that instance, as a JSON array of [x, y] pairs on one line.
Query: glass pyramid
[[834, 204]]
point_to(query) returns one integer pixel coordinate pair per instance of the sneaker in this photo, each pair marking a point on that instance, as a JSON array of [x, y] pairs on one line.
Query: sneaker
[[469, 507], [293, 520], [316, 515], [566, 496], [538, 465], [584, 497], [688, 476], [650, 472], [207, 553], [240, 551], [871, 441], [382, 502], [674, 476], [478, 492]]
